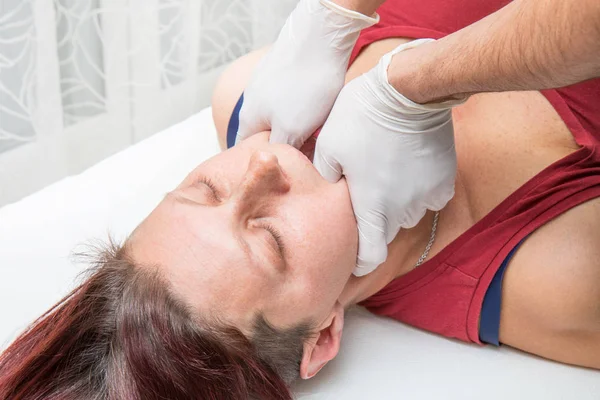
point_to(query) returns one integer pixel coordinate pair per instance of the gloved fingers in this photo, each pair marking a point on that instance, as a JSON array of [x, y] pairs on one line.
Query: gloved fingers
[[328, 167], [392, 231], [372, 248], [413, 215], [440, 197]]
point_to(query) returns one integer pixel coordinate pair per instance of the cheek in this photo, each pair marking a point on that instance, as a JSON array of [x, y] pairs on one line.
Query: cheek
[[337, 216], [323, 228]]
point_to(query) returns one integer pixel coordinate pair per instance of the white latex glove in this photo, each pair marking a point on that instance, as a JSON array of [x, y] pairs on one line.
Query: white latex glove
[[296, 83], [398, 158]]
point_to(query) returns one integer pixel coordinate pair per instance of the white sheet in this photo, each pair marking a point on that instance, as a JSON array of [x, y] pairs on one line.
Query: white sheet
[[379, 359]]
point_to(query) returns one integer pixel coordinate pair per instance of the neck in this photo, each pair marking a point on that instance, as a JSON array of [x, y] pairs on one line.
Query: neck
[[403, 253]]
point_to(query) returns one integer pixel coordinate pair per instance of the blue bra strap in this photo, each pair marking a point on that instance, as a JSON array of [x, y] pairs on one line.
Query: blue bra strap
[[234, 123]]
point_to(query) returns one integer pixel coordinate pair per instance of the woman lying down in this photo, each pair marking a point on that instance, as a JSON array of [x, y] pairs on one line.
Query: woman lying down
[[236, 284]]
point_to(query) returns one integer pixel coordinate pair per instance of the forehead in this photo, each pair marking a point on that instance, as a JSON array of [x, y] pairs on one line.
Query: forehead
[[240, 153], [199, 255], [223, 167]]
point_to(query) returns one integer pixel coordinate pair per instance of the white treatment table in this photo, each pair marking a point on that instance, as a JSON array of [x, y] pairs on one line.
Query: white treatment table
[[379, 358]]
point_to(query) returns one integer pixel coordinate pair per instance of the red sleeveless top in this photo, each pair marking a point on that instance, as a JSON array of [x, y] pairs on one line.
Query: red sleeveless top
[[445, 294]]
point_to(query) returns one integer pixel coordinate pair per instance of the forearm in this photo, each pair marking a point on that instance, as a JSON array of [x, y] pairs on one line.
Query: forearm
[[366, 7], [527, 45]]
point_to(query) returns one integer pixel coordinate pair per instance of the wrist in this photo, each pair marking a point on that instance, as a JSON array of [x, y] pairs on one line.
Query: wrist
[[404, 76], [410, 73], [365, 7]]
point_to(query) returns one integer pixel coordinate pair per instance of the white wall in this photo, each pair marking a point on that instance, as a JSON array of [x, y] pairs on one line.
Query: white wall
[[83, 79]]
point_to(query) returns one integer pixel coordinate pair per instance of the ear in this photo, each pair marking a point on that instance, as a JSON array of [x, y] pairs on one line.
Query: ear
[[323, 348]]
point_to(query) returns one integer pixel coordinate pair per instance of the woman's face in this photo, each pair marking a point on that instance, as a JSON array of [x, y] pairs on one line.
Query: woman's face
[[254, 229]]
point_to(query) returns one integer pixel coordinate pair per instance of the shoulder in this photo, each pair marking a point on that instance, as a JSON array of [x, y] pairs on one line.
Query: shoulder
[[229, 88], [551, 289]]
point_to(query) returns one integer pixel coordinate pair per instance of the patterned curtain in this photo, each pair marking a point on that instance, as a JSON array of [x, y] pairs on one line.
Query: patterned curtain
[[82, 79]]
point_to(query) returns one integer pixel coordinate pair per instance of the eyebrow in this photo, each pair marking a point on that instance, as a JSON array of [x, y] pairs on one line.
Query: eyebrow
[[182, 199], [180, 196]]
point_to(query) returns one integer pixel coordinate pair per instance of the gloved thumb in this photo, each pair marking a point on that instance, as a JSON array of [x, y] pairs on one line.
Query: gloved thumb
[[280, 135], [328, 167], [372, 248], [249, 123]]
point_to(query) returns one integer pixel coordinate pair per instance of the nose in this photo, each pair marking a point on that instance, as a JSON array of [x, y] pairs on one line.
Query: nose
[[263, 179]]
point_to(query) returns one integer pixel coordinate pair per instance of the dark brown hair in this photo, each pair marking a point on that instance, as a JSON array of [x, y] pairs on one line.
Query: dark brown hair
[[122, 334]]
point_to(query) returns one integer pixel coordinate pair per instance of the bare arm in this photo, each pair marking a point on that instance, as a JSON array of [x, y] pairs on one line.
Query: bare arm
[[527, 45], [551, 290]]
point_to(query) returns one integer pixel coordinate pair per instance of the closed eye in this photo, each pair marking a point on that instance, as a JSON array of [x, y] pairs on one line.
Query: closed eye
[[210, 184], [276, 236]]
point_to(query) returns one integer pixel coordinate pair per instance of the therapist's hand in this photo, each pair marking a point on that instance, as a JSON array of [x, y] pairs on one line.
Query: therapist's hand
[[295, 85], [397, 156]]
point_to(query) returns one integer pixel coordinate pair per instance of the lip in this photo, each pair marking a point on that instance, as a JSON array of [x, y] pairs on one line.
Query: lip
[[297, 167], [306, 157]]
